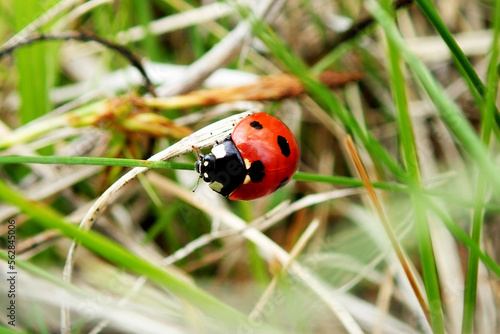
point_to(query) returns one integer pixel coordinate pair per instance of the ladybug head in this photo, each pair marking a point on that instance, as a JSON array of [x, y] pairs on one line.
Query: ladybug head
[[205, 167]]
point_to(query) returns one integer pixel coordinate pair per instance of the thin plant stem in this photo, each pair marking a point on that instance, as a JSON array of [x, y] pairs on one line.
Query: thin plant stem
[[387, 226], [94, 161]]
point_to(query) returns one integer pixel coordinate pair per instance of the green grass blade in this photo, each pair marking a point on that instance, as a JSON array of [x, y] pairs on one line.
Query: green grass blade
[[407, 138], [150, 43], [117, 254], [33, 65], [95, 161], [7, 330], [460, 235], [345, 181], [448, 110], [471, 279], [324, 97], [475, 84], [471, 275]]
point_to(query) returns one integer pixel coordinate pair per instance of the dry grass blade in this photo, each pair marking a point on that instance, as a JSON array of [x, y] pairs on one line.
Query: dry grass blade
[[205, 137], [275, 87], [387, 226], [296, 250], [85, 37], [262, 223], [181, 20], [269, 250]]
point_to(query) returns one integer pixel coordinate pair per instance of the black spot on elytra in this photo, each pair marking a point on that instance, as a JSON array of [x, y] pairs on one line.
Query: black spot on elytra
[[283, 144], [256, 125], [282, 183], [256, 171]]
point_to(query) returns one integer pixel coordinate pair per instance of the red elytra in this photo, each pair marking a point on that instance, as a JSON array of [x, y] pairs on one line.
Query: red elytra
[[261, 137]]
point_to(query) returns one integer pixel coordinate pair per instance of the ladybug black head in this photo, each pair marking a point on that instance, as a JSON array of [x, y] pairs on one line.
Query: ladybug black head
[[205, 167]]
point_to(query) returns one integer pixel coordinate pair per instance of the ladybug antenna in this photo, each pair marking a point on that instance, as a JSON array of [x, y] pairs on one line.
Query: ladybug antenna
[[197, 152]]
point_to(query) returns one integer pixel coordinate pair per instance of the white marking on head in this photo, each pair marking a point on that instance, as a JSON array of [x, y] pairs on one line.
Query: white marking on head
[[205, 163], [205, 175], [219, 151], [247, 163]]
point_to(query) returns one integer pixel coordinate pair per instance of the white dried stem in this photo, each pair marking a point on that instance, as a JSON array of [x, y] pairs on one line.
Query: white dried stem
[[173, 22], [219, 55], [262, 223], [268, 249], [205, 137], [297, 249]]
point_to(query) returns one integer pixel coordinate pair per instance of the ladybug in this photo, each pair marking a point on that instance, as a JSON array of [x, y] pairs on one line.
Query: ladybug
[[259, 157]]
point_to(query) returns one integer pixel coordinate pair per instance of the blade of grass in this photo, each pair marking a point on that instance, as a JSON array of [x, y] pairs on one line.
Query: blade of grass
[[117, 254], [448, 110], [7, 330], [478, 216], [320, 93], [471, 77], [32, 65], [345, 181], [460, 235], [95, 161], [387, 226], [410, 155], [100, 161], [299, 176], [144, 14]]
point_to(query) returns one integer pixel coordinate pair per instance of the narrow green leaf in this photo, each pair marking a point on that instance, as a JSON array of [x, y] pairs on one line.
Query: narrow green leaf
[[34, 64], [144, 14], [117, 254], [472, 79], [489, 112], [448, 110], [407, 137], [94, 161], [325, 98]]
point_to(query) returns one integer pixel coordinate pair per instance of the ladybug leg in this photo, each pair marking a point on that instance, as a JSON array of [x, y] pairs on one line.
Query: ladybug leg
[[197, 183], [200, 156], [217, 142]]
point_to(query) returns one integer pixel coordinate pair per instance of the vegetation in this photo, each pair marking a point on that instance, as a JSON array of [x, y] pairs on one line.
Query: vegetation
[[390, 225]]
